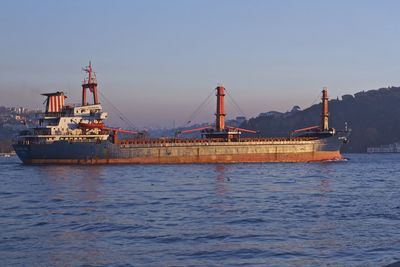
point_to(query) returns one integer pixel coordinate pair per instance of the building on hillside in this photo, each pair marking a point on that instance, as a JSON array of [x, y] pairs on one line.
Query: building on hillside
[[390, 148]]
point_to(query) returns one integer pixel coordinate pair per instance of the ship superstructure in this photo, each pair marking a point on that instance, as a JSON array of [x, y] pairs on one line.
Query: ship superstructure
[[77, 134], [61, 122]]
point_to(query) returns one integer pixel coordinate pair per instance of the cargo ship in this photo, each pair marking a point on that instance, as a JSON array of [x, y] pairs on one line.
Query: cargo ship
[[77, 134]]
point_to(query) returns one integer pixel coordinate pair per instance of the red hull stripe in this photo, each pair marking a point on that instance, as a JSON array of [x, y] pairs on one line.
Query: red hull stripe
[[235, 158]]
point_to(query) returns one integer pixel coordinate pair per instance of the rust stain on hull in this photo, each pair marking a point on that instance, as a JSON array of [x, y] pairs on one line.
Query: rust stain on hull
[[249, 158]]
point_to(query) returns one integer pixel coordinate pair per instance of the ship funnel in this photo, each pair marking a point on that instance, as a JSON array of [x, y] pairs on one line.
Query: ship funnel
[[220, 114], [54, 102], [91, 83], [325, 111]]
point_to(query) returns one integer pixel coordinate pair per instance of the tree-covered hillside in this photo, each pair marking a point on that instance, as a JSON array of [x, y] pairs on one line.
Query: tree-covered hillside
[[373, 116]]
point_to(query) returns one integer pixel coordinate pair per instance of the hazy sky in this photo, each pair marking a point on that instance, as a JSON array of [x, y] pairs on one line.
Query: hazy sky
[[158, 60]]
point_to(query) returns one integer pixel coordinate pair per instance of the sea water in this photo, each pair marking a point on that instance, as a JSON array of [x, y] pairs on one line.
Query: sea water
[[344, 213]]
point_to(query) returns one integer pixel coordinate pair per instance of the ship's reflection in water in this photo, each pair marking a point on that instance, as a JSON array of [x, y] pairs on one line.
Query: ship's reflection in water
[[75, 194], [323, 225], [221, 183]]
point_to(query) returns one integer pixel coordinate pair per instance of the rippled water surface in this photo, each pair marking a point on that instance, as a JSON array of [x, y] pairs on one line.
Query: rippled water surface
[[316, 214]]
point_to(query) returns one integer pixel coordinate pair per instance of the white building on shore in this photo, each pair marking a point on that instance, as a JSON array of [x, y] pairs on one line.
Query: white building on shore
[[391, 148]]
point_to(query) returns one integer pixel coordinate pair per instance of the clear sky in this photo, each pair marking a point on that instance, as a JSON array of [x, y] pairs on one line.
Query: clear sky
[[158, 60]]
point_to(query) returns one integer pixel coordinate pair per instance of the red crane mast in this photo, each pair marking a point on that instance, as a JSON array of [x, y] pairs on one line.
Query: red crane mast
[[325, 111], [220, 114], [90, 83]]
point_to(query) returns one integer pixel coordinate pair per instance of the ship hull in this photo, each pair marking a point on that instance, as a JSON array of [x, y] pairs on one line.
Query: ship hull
[[106, 152]]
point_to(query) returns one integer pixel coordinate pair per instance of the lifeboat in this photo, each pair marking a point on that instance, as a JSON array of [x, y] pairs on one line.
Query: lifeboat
[[91, 125]]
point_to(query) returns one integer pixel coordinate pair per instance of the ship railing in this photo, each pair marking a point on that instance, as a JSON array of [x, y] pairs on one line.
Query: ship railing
[[42, 115], [214, 140], [66, 111], [29, 141]]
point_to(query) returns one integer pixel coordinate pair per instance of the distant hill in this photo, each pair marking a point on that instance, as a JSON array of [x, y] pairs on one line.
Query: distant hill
[[13, 120], [373, 116]]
